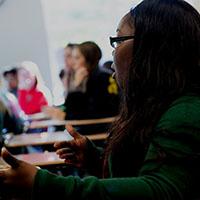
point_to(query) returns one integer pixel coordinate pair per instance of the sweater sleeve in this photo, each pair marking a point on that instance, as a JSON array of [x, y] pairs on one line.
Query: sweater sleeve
[[94, 159], [169, 171]]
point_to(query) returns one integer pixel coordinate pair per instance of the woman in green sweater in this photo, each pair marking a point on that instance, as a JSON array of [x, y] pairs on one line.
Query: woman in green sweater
[[153, 151]]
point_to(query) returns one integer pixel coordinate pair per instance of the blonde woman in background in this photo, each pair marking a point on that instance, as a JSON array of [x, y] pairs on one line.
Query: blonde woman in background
[[33, 94]]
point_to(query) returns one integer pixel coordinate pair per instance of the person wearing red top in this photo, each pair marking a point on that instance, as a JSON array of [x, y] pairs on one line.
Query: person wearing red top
[[33, 95], [32, 101]]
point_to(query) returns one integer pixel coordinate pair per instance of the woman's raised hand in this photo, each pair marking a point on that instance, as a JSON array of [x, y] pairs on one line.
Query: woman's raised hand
[[74, 151]]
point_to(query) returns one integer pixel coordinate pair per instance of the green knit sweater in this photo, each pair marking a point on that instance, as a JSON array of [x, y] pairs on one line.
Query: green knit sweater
[[176, 176]]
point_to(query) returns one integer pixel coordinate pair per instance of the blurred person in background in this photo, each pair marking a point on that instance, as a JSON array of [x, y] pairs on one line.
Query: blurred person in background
[[69, 69], [13, 119], [89, 93], [61, 89], [68, 57], [33, 94], [11, 79], [3, 119], [92, 93], [63, 79]]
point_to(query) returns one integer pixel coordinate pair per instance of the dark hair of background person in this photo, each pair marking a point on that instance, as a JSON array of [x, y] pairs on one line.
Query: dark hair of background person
[[107, 66], [91, 52], [71, 45], [62, 74], [12, 71], [165, 66]]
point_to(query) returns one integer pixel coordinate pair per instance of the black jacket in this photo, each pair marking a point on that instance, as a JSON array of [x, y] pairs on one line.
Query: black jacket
[[100, 100]]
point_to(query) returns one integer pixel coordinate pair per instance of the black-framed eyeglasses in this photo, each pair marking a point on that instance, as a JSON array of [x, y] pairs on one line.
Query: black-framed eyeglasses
[[115, 41]]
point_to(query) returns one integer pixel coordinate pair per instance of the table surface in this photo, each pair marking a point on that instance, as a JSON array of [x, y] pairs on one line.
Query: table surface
[[41, 159], [53, 122], [37, 159], [45, 138]]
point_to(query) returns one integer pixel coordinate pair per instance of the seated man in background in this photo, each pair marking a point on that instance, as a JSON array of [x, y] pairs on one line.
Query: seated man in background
[[11, 79]]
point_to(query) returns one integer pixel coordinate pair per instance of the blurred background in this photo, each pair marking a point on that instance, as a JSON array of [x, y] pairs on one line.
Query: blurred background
[[38, 30]]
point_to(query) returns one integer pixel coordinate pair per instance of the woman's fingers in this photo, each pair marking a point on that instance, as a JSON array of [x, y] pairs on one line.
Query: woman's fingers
[[74, 162], [69, 156], [9, 159], [69, 162], [64, 144], [70, 144], [64, 151], [73, 132]]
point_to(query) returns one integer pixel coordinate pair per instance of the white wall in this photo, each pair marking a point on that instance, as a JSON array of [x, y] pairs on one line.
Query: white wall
[[23, 35], [81, 20], [67, 21], [195, 3]]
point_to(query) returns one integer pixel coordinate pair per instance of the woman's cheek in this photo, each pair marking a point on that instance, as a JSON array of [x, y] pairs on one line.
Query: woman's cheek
[[120, 68]]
